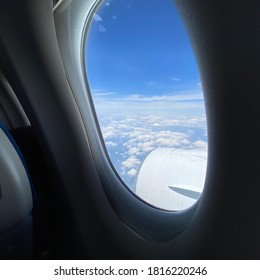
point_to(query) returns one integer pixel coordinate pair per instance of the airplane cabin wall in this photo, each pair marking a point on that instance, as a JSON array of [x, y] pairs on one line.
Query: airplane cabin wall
[[225, 37]]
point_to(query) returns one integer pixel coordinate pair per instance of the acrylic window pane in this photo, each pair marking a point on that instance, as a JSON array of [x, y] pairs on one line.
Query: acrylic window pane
[[148, 98]]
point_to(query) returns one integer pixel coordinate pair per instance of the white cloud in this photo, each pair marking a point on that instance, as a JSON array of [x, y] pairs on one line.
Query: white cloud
[[171, 139], [133, 151], [166, 98], [114, 17], [132, 172], [146, 146], [135, 103], [97, 17], [175, 79], [103, 94], [101, 28], [110, 144], [108, 132], [200, 144], [130, 162]]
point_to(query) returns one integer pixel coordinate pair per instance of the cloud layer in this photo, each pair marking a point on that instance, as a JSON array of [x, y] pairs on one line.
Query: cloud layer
[[130, 138]]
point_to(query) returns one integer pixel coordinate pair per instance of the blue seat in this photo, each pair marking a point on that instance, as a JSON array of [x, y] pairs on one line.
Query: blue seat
[[16, 201]]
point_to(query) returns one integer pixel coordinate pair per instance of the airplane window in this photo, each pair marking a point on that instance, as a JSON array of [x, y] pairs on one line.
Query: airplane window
[[148, 99]]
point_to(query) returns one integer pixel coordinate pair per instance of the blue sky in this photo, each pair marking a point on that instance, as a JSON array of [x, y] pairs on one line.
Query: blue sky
[[139, 47]]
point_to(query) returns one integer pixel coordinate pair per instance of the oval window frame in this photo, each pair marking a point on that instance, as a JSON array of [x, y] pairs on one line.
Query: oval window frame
[[145, 220]]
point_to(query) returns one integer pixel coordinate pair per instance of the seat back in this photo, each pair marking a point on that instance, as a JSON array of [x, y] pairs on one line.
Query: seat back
[[16, 201]]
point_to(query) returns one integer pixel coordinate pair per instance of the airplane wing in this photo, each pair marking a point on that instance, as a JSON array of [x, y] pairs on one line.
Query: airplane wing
[[186, 192]]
